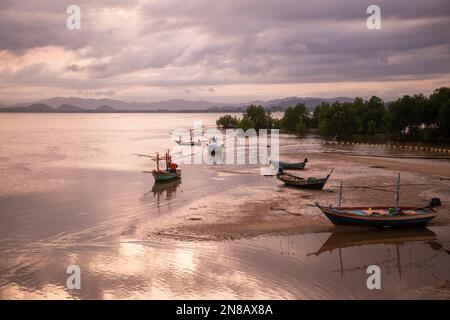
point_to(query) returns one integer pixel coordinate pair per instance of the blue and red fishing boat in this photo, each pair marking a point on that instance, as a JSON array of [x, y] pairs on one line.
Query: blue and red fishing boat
[[171, 170], [381, 216]]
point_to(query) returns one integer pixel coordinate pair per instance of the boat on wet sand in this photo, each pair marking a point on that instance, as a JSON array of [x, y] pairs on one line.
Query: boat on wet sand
[[290, 166], [378, 216], [381, 216], [305, 183]]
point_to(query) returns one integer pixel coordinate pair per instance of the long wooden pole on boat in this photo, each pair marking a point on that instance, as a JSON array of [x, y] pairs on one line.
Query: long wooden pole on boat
[[168, 159], [340, 195], [397, 196], [157, 161]]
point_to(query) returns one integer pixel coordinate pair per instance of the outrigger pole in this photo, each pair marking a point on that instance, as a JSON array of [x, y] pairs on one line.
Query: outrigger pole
[[157, 159]]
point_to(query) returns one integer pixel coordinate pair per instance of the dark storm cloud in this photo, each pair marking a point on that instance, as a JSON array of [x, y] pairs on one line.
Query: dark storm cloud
[[37, 23], [239, 41], [217, 12]]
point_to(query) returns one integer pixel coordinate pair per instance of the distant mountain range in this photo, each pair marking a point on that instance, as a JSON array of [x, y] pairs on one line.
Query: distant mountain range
[[73, 104]]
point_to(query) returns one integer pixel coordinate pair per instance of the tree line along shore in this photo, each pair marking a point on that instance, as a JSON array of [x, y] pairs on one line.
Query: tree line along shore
[[414, 118]]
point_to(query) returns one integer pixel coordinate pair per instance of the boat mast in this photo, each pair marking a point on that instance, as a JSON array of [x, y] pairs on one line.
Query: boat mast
[[157, 161], [397, 195], [168, 160], [340, 195]]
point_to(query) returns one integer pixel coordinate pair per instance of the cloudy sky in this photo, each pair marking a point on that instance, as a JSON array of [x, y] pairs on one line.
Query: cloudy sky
[[222, 50]]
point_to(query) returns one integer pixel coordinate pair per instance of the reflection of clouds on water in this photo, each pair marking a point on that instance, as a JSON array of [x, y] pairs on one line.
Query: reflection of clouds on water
[[42, 142], [278, 268], [48, 292], [132, 259]]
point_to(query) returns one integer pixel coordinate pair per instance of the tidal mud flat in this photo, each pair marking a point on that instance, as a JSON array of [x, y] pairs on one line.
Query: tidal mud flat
[[250, 205]]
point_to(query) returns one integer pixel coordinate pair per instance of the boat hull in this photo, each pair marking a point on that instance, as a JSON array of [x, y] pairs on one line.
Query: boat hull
[[298, 182], [166, 175], [311, 186], [289, 166], [343, 217]]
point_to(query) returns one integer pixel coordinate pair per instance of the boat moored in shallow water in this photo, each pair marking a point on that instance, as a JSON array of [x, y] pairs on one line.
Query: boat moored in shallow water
[[171, 170]]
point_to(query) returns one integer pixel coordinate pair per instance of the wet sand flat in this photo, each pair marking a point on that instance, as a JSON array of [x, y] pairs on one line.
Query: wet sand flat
[[263, 206]]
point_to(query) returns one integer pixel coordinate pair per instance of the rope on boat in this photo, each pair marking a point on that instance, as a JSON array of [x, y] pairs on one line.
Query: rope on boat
[[385, 186], [377, 188], [410, 157]]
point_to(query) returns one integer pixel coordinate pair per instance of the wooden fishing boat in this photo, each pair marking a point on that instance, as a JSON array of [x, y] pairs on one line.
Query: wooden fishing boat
[[170, 172], [164, 175], [299, 182], [381, 216], [290, 166]]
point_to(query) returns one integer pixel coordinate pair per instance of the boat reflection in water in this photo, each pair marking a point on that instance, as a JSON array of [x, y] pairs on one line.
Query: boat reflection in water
[[168, 187], [397, 237]]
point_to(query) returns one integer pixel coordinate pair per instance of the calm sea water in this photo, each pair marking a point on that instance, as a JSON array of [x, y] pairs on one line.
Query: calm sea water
[[71, 192]]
